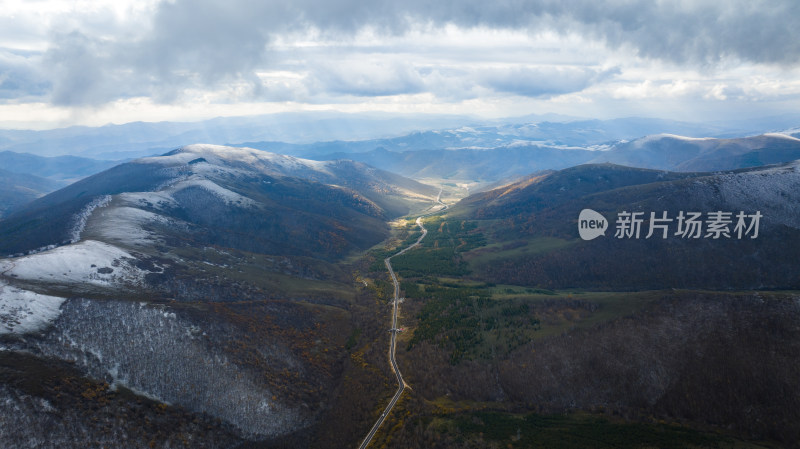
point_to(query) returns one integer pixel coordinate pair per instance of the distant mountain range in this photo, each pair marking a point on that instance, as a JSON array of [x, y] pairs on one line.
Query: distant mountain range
[[466, 164], [138, 139], [312, 134], [25, 177], [62, 169], [660, 151], [19, 189], [479, 157], [589, 134]]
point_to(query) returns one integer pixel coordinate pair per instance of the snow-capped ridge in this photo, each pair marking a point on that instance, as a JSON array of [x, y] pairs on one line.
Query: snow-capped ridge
[[82, 216], [225, 155], [660, 136], [782, 135]]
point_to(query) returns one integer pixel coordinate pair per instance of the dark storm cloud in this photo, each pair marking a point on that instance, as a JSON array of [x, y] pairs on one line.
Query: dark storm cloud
[[699, 31], [205, 43]]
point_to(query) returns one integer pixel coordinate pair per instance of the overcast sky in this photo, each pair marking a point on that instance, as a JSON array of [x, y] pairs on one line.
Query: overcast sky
[[95, 62]]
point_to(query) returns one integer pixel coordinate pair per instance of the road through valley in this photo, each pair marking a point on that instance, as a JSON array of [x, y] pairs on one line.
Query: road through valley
[[401, 385]]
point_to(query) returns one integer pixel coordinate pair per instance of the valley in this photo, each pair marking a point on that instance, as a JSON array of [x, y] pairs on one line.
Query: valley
[[243, 298], [395, 327], [472, 347]]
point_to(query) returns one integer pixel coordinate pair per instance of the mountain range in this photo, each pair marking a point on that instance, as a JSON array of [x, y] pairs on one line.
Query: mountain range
[[660, 151], [229, 296], [19, 189], [311, 134]]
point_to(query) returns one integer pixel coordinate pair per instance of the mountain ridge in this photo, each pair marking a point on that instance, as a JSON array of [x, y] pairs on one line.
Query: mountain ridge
[[547, 207], [679, 153], [42, 222]]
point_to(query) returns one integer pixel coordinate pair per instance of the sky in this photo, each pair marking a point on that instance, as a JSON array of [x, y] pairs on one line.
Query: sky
[[95, 62]]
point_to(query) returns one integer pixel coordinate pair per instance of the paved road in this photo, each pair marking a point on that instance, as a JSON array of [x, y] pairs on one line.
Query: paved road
[[401, 385]]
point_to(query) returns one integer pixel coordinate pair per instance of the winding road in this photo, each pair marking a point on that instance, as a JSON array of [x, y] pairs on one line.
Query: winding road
[[401, 385]]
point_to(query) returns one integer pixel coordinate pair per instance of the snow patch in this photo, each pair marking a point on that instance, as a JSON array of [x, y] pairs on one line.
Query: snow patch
[[224, 194], [600, 147], [87, 262], [216, 171], [24, 312], [156, 200], [126, 225]]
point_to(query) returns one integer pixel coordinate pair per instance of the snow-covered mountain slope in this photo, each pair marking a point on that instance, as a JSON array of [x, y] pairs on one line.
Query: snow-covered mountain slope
[[139, 346], [203, 280], [211, 160], [33, 287], [144, 226], [774, 190], [23, 311], [80, 264], [209, 183], [115, 231]]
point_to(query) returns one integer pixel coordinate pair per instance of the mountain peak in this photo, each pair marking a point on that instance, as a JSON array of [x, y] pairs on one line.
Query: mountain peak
[[225, 155]]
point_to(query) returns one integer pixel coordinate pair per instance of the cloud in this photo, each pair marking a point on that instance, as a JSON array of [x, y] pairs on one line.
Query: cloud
[[82, 72], [648, 89], [696, 32], [211, 40], [699, 32], [20, 75], [367, 78], [543, 81], [190, 45]]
